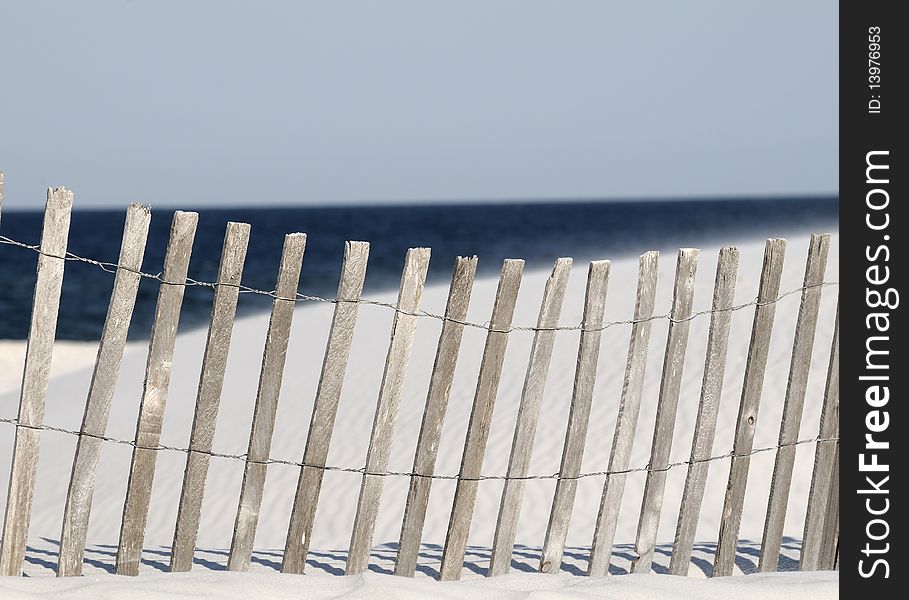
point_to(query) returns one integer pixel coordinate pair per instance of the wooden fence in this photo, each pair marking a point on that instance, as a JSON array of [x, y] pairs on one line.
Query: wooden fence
[[819, 544]]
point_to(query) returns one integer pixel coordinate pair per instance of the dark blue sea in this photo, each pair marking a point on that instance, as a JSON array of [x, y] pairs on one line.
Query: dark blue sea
[[538, 232]]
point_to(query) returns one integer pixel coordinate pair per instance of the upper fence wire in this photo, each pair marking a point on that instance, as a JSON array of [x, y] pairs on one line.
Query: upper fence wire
[[299, 297]]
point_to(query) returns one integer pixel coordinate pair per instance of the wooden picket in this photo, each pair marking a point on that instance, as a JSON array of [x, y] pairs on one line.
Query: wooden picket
[[746, 423], [528, 416], [211, 381], [821, 530], [795, 399], [263, 425], [32, 399], [328, 395], [816, 524], [154, 391], [667, 406], [830, 542], [627, 418], [480, 419], [101, 391], [579, 416], [403, 330], [708, 408], [424, 462]]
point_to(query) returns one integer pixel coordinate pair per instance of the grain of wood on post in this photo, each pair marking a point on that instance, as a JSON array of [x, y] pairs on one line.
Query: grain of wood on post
[[578, 418], [208, 397], [746, 422], [802, 347], [528, 417], [154, 391], [822, 474], [263, 424], [708, 408], [36, 372], [667, 407], [403, 330], [480, 419], [328, 395], [443, 370], [101, 391], [627, 418]]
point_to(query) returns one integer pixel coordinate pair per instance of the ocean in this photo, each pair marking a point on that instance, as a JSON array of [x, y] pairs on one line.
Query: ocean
[[537, 232]]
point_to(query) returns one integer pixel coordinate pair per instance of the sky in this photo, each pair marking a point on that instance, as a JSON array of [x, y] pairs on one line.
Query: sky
[[289, 102]]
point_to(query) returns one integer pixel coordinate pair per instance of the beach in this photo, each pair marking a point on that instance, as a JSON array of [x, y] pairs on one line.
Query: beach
[[71, 373]]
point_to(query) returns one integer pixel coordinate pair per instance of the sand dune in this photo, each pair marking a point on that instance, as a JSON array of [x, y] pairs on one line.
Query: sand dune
[[72, 371]]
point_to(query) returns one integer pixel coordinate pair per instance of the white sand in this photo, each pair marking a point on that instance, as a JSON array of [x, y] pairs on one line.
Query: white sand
[[243, 586], [72, 371]]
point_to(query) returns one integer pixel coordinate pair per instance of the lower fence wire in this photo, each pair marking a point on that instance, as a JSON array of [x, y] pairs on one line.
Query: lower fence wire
[[362, 470]]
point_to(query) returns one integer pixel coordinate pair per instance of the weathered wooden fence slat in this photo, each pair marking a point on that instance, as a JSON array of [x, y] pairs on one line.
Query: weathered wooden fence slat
[[830, 542], [265, 411], [822, 475], [480, 419], [746, 422], [667, 407], [101, 391], [708, 408], [208, 397], [403, 330], [528, 417], [627, 418], [325, 408], [154, 391], [578, 418], [443, 370], [36, 373], [802, 347]]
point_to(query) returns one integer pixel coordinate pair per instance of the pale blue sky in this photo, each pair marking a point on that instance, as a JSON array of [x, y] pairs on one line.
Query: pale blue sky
[[215, 102]]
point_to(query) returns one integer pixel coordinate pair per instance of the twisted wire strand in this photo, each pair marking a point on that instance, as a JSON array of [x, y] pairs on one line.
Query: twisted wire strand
[[299, 297], [362, 470]]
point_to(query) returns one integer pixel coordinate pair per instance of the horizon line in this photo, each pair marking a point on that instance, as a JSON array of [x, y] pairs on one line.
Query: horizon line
[[451, 202]]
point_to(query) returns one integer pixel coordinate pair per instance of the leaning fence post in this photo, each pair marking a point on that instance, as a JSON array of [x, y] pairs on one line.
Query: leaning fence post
[[627, 417], [578, 418], [154, 391], [667, 407], [325, 408], [101, 391], [708, 408], [830, 542], [480, 420], [45, 306], [746, 423], [392, 388], [528, 417], [795, 399], [443, 369], [822, 476], [263, 425], [211, 381]]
